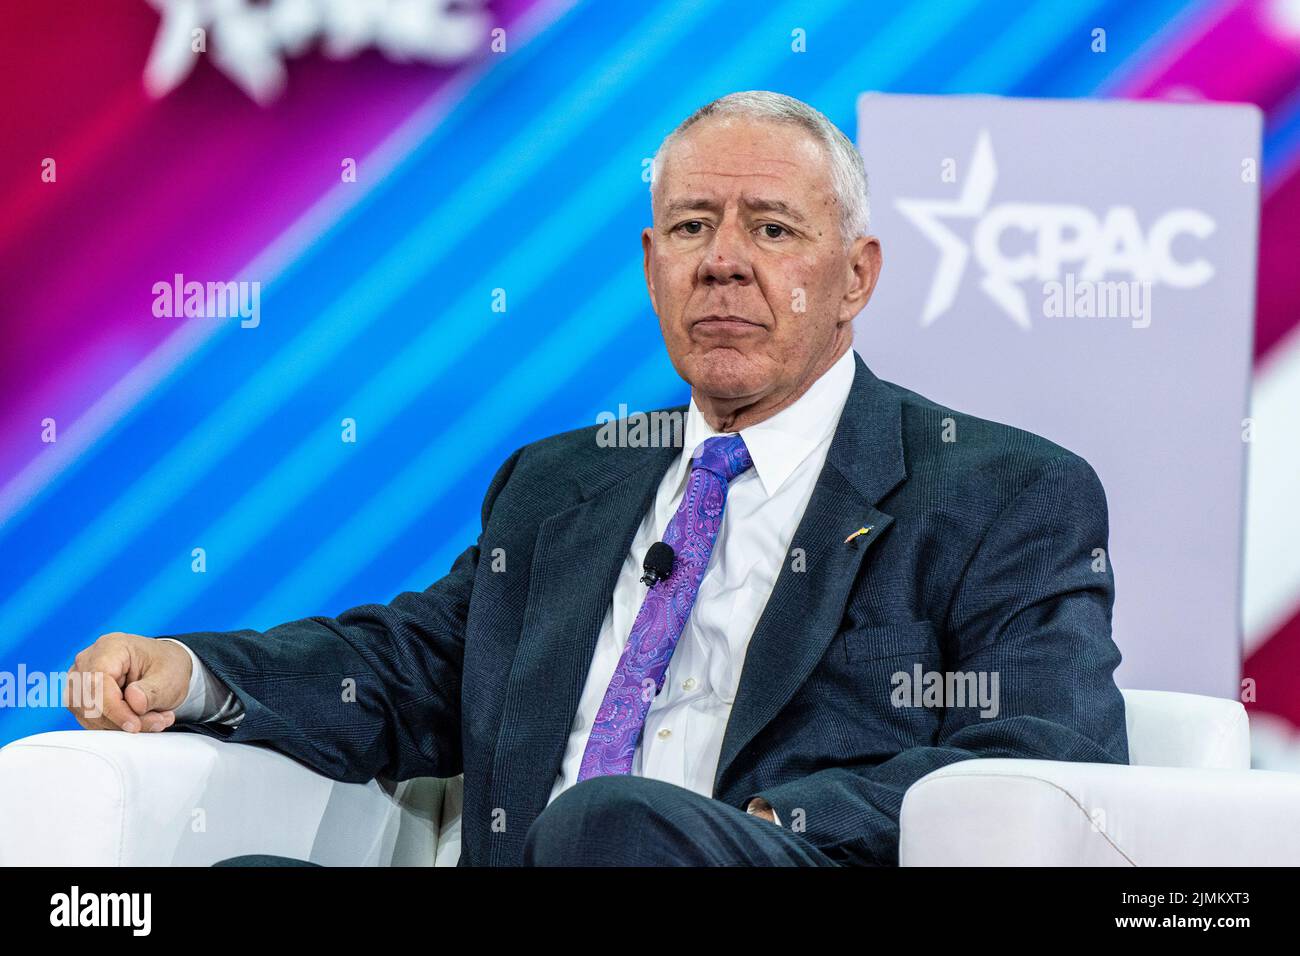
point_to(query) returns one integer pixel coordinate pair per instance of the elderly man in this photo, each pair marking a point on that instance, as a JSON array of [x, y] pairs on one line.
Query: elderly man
[[836, 560]]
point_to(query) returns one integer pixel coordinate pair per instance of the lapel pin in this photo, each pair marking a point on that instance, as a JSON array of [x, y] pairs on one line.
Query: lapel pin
[[860, 531]]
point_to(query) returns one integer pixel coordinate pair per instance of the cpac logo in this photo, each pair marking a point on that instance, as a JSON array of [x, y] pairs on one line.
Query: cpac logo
[[1014, 242], [250, 40]]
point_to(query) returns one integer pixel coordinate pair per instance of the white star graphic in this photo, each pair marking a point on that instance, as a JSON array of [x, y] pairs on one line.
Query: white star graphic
[[954, 252]]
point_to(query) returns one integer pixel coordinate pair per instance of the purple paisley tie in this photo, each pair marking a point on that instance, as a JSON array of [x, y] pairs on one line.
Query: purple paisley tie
[[640, 672]]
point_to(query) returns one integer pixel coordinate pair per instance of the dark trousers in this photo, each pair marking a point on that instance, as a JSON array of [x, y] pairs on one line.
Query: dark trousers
[[636, 821]]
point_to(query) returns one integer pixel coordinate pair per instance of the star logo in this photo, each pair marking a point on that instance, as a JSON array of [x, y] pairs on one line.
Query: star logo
[[928, 215]]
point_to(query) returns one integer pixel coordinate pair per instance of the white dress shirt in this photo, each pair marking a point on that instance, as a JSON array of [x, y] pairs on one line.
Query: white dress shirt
[[684, 728]]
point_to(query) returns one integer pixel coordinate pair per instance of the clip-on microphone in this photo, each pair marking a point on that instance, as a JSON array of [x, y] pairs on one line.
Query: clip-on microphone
[[658, 563]]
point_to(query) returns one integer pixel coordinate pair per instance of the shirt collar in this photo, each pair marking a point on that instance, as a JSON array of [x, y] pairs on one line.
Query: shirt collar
[[782, 443]]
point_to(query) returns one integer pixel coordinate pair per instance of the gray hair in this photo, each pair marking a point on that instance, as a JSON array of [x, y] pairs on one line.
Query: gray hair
[[848, 173]]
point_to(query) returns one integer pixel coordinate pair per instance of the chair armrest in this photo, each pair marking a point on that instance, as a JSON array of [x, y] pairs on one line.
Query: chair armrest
[[1051, 813], [100, 798]]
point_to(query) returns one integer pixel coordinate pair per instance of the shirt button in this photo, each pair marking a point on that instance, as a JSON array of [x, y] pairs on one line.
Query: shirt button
[[688, 684], [664, 734]]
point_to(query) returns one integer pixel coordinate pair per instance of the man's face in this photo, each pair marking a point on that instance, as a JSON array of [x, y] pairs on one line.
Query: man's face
[[746, 263]]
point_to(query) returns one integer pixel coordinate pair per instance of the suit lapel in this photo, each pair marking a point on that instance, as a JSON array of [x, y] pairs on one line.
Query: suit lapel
[[576, 563], [863, 464]]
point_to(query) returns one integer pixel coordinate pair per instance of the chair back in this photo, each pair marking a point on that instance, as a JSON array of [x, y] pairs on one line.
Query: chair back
[[1168, 729]]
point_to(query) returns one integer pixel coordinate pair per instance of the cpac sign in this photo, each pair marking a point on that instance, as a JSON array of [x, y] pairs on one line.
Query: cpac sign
[[250, 40], [1014, 242]]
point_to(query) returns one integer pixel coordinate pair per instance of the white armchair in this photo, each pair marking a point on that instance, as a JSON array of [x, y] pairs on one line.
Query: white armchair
[[1187, 798], [80, 798], [103, 799]]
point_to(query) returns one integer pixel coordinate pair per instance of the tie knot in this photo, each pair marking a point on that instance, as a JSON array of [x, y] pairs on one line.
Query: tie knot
[[725, 455]]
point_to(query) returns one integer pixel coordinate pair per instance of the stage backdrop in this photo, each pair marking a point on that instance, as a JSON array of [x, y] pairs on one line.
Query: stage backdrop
[[1086, 271], [440, 202]]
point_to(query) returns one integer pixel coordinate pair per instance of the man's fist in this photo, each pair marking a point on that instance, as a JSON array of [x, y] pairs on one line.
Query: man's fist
[[127, 682]]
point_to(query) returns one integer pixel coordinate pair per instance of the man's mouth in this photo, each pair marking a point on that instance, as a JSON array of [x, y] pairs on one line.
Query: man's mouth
[[725, 325]]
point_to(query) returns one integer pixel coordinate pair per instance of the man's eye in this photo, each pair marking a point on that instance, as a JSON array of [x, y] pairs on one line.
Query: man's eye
[[692, 227], [772, 231]]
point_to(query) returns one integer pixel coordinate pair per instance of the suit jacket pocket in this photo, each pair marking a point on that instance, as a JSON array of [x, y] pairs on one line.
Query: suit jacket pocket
[[909, 639]]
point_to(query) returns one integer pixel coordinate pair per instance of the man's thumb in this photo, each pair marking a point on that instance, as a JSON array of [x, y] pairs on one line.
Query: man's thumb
[[147, 694]]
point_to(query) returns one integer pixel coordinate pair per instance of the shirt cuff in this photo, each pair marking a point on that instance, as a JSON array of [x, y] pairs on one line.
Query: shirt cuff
[[207, 698]]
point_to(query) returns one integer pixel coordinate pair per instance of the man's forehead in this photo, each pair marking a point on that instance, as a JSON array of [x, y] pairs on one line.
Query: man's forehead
[[738, 147], [761, 162]]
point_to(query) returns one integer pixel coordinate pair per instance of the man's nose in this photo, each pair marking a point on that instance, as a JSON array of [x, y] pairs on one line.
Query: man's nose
[[726, 260]]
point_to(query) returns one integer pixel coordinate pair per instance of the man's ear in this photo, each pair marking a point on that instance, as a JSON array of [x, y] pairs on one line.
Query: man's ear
[[647, 242], [865, 261]]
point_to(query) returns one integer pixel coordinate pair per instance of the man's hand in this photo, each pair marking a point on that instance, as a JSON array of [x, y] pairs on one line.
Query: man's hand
[[127, 682], [758, 807]]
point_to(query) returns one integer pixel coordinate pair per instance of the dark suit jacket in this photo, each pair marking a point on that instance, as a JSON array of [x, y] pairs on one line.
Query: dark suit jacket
[[980, 558]]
